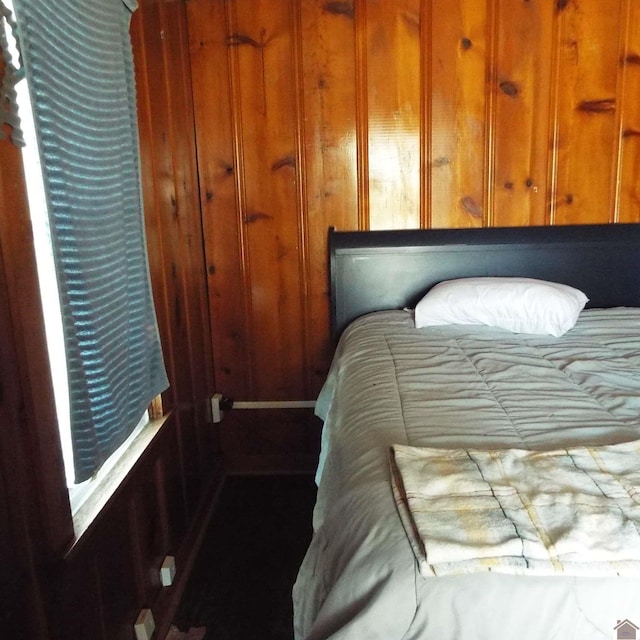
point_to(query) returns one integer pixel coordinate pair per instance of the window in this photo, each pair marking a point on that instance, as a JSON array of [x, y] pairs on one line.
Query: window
[[82, 168]]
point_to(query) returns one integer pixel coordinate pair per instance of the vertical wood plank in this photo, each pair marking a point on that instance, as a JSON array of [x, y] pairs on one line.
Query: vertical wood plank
[[219, 159], [80, 614], [393, 69], [174, 229], [170, 218], [302, 193], [183, 245], [145, 36], [627, 170], [147, 30], [175, 241], [458, 69], [261, 37], [426, 111], [523, 69], [118, 586], [491, 90], [179, 95], [362, 113], [587, 82], [331, 176]]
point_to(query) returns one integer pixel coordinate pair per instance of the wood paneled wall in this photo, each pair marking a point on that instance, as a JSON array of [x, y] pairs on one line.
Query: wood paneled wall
[[372, 114]]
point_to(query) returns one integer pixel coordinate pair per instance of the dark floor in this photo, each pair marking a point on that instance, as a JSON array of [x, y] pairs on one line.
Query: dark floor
[[240, 587]]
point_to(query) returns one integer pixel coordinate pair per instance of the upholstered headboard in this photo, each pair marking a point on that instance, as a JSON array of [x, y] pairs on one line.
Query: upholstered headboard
[[375, 270]]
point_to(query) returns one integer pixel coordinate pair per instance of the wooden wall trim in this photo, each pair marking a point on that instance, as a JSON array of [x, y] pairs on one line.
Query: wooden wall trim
[[426, 113], [554, 116], [150, 177], [491, 89], [302, 195], [362, 112], [629, 190], [621, 112], [241, 192]]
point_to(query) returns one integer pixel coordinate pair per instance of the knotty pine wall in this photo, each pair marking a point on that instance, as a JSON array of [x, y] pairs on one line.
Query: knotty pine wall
[[379, 114]]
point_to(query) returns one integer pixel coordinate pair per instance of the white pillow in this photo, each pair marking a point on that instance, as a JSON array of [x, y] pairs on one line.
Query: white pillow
[[521, 305]]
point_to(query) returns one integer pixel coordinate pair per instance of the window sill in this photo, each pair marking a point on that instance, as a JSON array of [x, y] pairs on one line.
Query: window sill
[[91, 509]]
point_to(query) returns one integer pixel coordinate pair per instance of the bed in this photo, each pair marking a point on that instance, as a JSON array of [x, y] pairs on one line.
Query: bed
[[474, 389]]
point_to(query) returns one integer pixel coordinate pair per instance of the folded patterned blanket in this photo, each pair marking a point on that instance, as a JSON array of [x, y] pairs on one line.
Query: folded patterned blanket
[[573, 511]]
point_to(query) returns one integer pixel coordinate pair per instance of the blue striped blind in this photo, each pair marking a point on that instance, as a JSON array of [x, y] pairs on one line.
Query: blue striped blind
[[78, 62]]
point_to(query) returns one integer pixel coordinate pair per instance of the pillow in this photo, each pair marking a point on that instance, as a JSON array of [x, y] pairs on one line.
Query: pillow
[[520, 305]]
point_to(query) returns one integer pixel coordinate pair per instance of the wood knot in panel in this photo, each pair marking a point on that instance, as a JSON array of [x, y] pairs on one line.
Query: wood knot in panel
[[442, 161], [258, 215], [237, 39], [597, 106], [287, 161], [471, 207], [339, 8], [509, 88], [412, 20]]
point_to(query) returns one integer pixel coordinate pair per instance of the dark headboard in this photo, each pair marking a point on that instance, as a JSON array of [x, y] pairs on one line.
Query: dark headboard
[[375, 270]]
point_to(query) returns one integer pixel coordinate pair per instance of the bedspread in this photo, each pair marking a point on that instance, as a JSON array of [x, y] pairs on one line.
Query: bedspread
[[457, 387]]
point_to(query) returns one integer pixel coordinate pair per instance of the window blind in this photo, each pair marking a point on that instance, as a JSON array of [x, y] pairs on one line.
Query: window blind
[[79, 65]]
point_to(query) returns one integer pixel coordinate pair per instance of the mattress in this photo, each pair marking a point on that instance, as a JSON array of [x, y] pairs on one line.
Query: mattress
[[466, 387]]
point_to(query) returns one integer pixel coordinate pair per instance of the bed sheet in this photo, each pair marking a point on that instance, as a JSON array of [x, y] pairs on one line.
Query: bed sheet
[[473, 387]]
